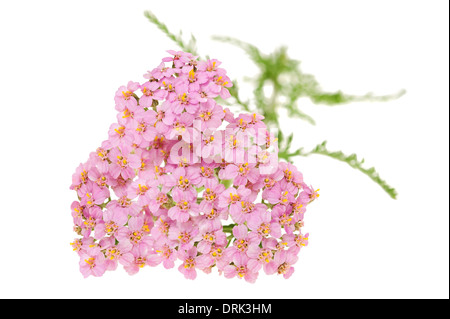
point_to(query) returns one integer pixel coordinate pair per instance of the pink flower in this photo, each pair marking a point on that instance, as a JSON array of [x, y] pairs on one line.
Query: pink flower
[[207, 144], [137, 233], [242, 241], [129, 115], [261, 257], [162, 72], [284, 261], [99, 158], [308, 194], [195, 80], [213, 218], [91, 194], [210, 67], [240, 269], [141, 256], [268, 181], [184, 207], [146, 158], [298, 210], [142, 132], [210, 114], [120, 186], [235, 144], [77, 244], [92, 265], [178, 59], [187, 268], [80, 177], [77, 212], [206, 172], [253, 123], [241, 174], [151, 91], [182, 126], [156, 200], [161, 228], [124, 205], [119, 135], [123, 162], [229, 116], [100, 175], [282, 192], [91, 216], [296, 241], [232, 198], [115, 254], [124, 96], [219, 85], [183, 100], [159, 120], [185, 179], [112, 222], [138, 189], [183, 234], [246, 210], [167, 160], [160, 149], [190, 62], [208, 238], [282, 214], [211, 195], [262, 225], [168, 254], [168, 84], [291, 173], [204, 94], [181, 155]]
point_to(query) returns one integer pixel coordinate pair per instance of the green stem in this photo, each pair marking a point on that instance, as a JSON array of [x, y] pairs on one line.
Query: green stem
[[351, 160], [228, 228], [229, 238], [105, 203], [188, 47], [227, 183]]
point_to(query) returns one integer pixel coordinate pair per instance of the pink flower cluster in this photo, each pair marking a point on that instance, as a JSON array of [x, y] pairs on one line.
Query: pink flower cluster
[[181, 179]]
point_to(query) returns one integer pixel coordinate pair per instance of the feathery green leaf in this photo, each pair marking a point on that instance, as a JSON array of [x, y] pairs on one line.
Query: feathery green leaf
[[187, 47], [353, 161]]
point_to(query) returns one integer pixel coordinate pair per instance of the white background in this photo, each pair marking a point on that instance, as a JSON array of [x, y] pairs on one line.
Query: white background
[[61, 63]]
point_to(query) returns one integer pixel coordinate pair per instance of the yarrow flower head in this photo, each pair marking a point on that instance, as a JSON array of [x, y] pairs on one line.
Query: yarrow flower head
[[181, 180]]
